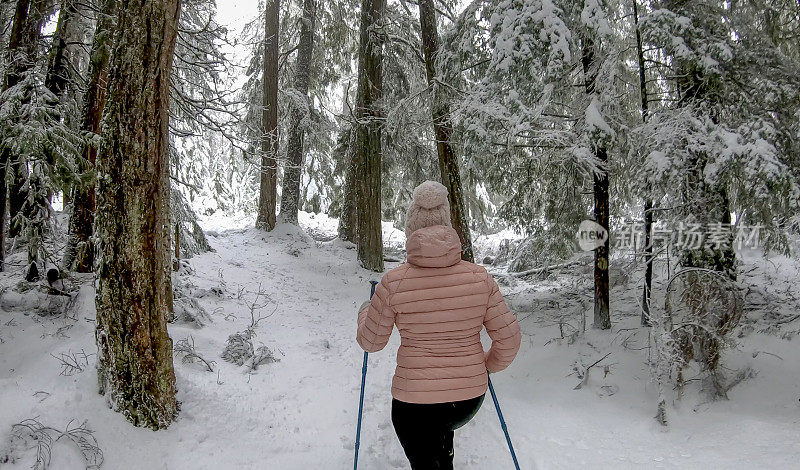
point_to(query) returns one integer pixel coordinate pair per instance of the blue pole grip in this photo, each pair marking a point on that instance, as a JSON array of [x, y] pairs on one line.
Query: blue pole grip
[[363, 382], [503, 424]]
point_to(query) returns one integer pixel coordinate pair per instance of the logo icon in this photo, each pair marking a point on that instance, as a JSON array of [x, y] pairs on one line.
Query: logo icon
[[591, 235]]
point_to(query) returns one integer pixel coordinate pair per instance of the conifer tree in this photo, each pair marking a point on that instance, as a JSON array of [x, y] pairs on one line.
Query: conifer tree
[[443, 130], [300, 115], [368, 136], [590, 47], [268, 176], [79, 254], [135, 369]]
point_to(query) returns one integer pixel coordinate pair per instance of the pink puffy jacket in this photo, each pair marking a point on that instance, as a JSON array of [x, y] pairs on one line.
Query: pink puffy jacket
[[439, 304]]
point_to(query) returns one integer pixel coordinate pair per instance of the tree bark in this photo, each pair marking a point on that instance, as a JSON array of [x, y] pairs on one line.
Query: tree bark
[[443, 130], [648, 204], [269, 143], [602, 316], [300, 116], [344, 153], [368, 137], [58, 73], [348, 223], [135, 369], [79, 254]]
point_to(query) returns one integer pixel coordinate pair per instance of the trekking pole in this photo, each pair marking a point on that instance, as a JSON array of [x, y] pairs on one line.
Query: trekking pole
[[363, 381], [503, 424]]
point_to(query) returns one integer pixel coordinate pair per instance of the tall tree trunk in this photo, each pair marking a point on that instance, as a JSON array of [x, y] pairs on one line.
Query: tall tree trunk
[[443, 130], [300, 116], [368, 136], [22, 53], [602, 316], [58, 73], [269, 144], [135, 369], [348, 223], [345, 155], [79, 254], [304, 187], [648, 204]]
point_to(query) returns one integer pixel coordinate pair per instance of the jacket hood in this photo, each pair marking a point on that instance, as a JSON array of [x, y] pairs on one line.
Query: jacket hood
[[436, 246]]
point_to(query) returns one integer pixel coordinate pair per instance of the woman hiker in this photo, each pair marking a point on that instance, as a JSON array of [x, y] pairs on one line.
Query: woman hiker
[[440, 304]]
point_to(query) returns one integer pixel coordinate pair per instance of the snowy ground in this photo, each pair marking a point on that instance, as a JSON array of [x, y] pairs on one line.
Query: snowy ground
[[300, 412]]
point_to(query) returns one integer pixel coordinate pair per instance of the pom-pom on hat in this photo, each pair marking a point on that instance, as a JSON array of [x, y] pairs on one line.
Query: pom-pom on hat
[[430, 207]]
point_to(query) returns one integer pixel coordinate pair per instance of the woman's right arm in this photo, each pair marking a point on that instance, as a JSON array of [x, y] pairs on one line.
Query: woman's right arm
[[502, 327], [376, 321]]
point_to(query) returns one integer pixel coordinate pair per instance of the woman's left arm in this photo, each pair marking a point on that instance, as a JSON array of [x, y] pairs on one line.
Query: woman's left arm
[[375, 322]]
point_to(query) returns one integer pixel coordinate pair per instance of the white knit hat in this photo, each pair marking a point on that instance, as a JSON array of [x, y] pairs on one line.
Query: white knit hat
[[430, 207]]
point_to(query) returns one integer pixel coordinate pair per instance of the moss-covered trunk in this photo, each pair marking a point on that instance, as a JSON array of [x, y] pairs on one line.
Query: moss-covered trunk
[[368, 136], [135, 368]]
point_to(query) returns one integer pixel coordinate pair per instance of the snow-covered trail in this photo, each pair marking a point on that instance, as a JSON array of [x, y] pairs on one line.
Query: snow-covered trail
[[300, 413], [308, 401]]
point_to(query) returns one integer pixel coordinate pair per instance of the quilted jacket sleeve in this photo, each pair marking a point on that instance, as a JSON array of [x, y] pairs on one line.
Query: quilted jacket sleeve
[[376, 321], [502, 327]]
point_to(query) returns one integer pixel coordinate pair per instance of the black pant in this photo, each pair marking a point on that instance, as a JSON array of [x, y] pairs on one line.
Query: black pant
[[426, 430]]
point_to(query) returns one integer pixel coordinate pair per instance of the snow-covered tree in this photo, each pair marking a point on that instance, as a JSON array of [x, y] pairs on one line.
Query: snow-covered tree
[[39, 147]]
